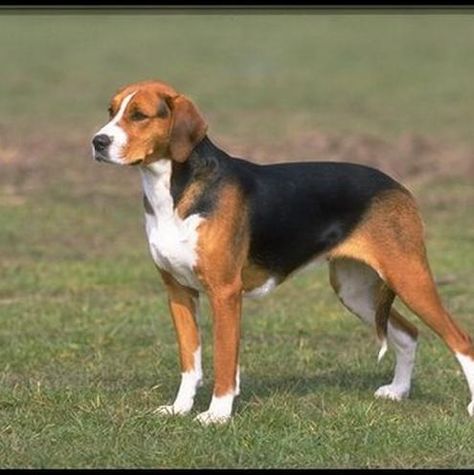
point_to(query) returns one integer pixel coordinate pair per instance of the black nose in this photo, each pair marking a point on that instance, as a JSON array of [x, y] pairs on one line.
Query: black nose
[[101, 142]]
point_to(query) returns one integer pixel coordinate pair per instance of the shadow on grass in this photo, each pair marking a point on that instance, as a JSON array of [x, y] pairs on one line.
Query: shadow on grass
[[358, 383]]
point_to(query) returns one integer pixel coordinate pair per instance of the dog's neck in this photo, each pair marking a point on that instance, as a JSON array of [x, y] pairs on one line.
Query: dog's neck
[[164, 180], [156, 179]]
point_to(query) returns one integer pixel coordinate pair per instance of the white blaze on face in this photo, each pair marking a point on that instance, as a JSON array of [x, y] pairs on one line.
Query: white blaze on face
[[116, 133]]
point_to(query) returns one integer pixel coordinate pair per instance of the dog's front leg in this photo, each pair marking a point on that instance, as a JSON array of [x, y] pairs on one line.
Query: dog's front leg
[[183, 303], [226, 305]]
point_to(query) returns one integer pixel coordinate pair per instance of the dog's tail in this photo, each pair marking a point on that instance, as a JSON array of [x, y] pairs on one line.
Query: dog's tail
[[384, 303]]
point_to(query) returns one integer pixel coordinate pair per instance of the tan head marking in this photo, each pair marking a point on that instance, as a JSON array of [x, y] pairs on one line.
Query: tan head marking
[[151, 121]]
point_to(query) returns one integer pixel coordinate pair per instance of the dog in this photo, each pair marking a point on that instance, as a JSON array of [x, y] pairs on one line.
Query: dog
[[230, 228]]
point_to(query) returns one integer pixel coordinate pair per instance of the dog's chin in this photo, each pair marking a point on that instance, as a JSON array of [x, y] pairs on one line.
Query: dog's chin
[[98, 157], [106, 159]]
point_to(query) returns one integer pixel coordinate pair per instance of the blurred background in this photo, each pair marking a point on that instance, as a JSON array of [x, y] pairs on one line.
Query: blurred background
[[394, 90], [81, 304]]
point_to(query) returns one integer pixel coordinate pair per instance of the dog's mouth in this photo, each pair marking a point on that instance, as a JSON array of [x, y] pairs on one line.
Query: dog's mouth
[[99, 157]]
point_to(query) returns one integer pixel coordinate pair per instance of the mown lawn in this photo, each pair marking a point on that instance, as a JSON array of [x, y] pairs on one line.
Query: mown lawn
[[87, 349]]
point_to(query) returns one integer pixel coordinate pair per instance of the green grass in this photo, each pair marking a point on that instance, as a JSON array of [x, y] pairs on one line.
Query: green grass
[[88, 351], [87, 348]]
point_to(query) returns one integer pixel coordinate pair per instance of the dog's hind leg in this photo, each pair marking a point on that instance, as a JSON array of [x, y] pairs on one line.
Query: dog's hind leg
[[390, 240], [359, 288], [411, 279]]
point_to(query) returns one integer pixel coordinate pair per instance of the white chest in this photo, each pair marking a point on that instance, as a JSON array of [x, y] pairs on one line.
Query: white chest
[[172, 240]]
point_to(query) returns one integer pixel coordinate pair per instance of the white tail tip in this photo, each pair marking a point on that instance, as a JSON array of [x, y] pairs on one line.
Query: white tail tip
[[382, 351]]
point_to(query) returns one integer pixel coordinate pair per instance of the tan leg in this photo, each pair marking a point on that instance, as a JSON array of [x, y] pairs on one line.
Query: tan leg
[[183, 304], [226, 309], [222, 247], [414, 284]]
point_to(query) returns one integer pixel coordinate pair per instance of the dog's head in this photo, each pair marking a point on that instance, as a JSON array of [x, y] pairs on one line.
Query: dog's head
[[149, 121]]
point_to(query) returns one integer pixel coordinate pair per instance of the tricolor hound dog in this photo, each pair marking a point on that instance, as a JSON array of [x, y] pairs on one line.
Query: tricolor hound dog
[[228, 227]]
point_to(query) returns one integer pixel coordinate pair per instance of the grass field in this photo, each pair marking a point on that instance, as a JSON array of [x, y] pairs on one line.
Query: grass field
[[87, 348]]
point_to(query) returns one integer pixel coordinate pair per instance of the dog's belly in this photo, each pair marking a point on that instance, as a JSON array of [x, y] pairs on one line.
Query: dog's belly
[[172, 245], [262, 290], [259, 282]]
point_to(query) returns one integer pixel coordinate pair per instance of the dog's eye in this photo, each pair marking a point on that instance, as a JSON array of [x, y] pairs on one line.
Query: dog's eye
[[137, 115]]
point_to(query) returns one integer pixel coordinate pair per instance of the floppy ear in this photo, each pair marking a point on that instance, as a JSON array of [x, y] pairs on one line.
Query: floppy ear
[[188, 128]]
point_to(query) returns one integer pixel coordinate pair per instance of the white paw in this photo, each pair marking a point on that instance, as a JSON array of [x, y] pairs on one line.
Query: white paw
[[470, 408], [207, 418], [219, 411], [173, 410], [392, 392]]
